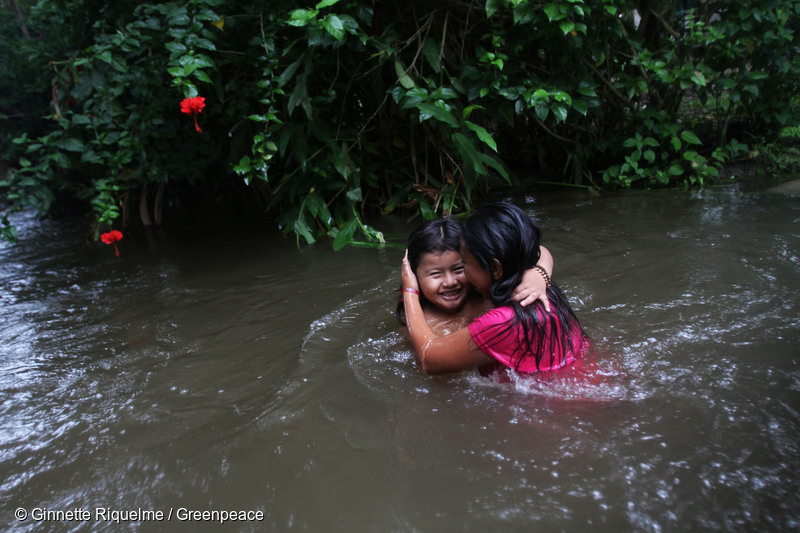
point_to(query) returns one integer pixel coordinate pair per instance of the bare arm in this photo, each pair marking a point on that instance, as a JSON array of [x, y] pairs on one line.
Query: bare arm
[[533, 285], [434, 354]]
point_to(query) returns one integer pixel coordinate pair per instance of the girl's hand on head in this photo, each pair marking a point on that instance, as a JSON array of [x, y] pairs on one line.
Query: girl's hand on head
[[408, 276], [532, 287]]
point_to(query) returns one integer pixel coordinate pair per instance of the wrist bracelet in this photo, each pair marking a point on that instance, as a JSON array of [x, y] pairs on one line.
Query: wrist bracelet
[[411, 290], [543, 272]]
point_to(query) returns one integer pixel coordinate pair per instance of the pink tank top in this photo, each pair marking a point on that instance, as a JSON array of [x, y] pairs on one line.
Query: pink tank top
[[492, 335]]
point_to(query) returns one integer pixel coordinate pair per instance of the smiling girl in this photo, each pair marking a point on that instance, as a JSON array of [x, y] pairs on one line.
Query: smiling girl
[[499, 243], [448, 300]]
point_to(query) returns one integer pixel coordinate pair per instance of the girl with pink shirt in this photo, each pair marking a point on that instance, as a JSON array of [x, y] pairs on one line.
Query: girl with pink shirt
[[499, 242], [447, 299]]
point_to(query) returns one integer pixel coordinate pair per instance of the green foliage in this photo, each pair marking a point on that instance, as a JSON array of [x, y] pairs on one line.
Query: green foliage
[[115, 120], [323, 113], [781, 156]]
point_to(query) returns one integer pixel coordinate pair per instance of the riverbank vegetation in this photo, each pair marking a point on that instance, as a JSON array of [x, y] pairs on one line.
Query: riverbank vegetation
[[320, 114]]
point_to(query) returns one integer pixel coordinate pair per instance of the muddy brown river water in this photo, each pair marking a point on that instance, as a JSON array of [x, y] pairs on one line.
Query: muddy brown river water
[[227, 371]]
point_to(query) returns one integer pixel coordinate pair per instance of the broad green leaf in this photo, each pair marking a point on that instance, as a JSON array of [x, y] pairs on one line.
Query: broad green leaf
[[203, 43], [287, 74], [691, 155], [202, 76], [444, 93], [413, 97], [492, 6], [698, 78], [431, 51], [300, 17], [203, 61], [317, 207], [334, 26], [345, 235], [176, 48], [469, 109], [300, 229], [326, 3], [539, 95], [482, 134], [523, 12], [580, 106], [90, 156], [649, 141], [561, 96], [244, 166], [350, 25], [188, 69], [586, 89], [468, 152], [71, 144], [297, 96], [105, 56], [426, 211], [541, 110], [555, 12], [497, 165], [339, 160], [690, 137], [757, 75], [560, 112], [404, 79], [439, 114]]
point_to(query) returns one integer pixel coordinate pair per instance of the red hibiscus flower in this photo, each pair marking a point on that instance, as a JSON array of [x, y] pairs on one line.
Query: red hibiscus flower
[[111, 238], [193, 106]]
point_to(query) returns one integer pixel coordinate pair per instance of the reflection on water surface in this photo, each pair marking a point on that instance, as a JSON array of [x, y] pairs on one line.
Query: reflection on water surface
[[235, 372]]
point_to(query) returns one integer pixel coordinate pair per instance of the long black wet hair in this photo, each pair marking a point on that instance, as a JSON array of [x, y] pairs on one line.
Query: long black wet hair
[[503, 233], [435, 236]]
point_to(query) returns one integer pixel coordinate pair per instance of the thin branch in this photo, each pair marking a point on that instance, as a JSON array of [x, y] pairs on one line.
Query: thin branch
[[441, 46], [608, 84], [666, 25], [366, 123], [551, 132]]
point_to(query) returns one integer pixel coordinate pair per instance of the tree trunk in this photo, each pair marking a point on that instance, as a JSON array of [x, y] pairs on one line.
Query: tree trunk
[[23, 28], [144, 211], [159, 203]]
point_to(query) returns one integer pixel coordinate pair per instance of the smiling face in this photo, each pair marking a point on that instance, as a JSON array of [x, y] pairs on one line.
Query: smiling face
[[442, 280]]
